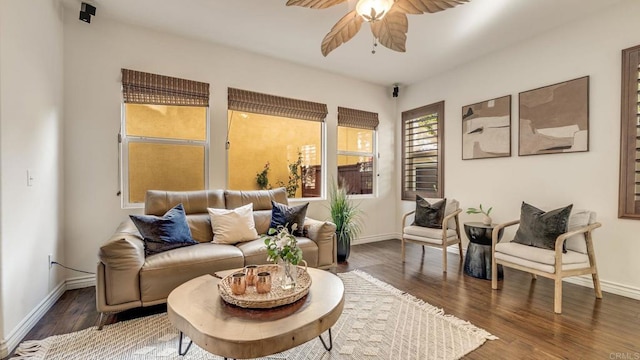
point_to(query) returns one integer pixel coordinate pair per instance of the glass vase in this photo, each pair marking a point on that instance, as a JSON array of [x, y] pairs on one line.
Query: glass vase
[[288, 275]]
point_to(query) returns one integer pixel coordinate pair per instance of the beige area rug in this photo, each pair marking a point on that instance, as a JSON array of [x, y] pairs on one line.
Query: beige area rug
[[378, 322]]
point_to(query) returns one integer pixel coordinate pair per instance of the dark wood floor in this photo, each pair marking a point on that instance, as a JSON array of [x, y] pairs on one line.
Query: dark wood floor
[[520, 314]]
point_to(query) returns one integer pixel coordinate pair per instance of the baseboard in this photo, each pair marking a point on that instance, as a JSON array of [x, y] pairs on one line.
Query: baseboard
[[20, 331], [81, 282], [607, 286], [374, 238]]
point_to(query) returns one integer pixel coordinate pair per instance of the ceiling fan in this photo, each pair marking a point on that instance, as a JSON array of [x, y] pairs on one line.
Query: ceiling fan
[[388, 19]]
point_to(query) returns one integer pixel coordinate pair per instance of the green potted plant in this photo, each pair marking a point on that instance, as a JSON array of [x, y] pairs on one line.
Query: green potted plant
[[347, 217], [486, 219]]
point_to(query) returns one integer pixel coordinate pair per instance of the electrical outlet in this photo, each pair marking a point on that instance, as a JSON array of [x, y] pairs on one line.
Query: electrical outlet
[[50, 261]]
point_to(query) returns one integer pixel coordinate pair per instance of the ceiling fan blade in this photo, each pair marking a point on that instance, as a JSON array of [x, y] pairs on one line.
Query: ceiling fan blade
[[315, 4], [341, 32], [426, 6], [391, 31]]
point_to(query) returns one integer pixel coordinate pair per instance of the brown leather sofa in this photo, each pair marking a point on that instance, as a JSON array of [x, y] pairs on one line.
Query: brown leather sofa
[[126, 279]]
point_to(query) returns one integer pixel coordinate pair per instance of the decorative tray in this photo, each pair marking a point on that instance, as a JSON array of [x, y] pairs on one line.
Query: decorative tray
[[276, 297]]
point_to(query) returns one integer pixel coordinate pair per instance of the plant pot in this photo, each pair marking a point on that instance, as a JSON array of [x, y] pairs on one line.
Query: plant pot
[[486, 220], [344, 248]]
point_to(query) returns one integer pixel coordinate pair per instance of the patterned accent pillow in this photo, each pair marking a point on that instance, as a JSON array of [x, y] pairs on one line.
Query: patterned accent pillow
[[162, 233], [539, 228], [287, 216], [429, 215]]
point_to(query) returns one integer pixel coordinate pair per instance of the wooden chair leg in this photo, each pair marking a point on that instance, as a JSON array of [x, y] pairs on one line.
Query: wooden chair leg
[[494, 274], [557, 296], [460, 250], [596, 285], [444, 258], [534, 276], [403, 249]]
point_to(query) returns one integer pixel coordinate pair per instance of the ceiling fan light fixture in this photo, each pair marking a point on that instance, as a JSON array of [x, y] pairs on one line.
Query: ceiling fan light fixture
[[373, 10]]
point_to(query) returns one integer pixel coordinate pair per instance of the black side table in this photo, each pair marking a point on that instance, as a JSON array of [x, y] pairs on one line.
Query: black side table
[[477, 262]]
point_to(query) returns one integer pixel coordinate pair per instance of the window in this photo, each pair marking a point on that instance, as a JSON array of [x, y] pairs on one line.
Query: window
[[164, 136], [423, 152], [629, 202], [356, 149], [274, 142]]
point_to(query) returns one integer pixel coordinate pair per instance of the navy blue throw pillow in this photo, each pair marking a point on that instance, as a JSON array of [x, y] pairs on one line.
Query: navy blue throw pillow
[[541, 229], [164, 233], [287, 216]]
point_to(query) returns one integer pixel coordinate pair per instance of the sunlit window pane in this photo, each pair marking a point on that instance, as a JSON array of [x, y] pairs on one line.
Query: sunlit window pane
[[269, 151], [356, 173], [168, 122], [355, 140], [155, 166]]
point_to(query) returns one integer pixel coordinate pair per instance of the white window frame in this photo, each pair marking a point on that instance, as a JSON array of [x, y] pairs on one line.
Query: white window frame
[[374, 156], [125, 140]]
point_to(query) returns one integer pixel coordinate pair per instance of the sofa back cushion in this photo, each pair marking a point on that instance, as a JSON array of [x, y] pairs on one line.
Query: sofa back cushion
[[200, 225], [158, 202], [261, 199], [262, 218]]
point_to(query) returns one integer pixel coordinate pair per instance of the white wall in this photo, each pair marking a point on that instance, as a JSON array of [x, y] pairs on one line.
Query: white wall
[[31, 138], [94, 55], [589, 180]]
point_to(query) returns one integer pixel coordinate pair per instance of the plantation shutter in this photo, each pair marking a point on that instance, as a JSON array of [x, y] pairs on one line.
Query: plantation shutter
[[258, 103], [423, 152], [146, 88], [629, 202]]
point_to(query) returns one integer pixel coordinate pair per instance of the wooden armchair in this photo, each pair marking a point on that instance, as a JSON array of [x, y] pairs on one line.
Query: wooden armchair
[[579, 258], [441, 238]]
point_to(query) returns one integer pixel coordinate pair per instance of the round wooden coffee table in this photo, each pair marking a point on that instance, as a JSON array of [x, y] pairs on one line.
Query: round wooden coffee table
[[197, 310]]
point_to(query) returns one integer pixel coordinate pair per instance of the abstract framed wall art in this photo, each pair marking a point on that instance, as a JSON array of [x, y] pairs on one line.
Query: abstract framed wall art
[[486, 129], [555, 118]]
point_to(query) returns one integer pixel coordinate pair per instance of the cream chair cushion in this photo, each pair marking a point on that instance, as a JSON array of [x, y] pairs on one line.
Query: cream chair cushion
[[537, 258], [433, 236]]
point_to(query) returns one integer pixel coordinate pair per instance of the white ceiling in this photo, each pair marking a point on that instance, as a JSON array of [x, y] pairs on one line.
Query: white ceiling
[[436, 42]]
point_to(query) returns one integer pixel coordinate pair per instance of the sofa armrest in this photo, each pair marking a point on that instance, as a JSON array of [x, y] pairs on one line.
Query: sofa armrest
[[323, 233], [123, 257]]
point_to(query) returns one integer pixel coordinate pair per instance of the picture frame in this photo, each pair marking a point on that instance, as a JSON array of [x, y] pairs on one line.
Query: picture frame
[[554, 118], [486, 129]]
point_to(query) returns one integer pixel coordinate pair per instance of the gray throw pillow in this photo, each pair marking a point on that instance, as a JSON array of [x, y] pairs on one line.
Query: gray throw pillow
[[429, 215], [539, 228]]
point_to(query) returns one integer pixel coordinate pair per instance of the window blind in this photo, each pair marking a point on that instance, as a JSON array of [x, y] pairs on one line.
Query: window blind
[[146, 88], [629, 188], [357, 118], [249, 101]]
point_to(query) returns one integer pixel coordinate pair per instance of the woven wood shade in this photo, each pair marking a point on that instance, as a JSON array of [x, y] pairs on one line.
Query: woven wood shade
[[357, 118], [145, 88], [258, 103]]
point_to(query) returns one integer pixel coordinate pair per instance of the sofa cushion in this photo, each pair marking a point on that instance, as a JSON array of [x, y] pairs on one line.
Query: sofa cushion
[[200, 225], [162, 233], [283, 215], [163, 272], [157, 202], [539, 228], [261, 199], [233, 226], [540, 259], [428, 214], [262, 219]]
